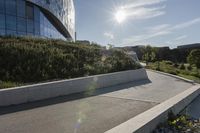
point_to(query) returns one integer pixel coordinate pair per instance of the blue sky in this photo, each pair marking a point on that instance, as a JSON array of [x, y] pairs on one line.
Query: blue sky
[[155, 22]]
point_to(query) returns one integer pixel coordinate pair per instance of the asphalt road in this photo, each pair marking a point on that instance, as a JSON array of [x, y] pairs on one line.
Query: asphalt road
[[97, 113]]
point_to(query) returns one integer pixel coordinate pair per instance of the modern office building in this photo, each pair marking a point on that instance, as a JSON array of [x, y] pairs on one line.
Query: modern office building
[[38, 18]]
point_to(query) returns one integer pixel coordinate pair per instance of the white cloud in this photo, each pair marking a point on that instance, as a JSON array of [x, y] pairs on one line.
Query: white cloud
[[161, 30], [145, 13], [109, 35], [180, 38], [144, 9], [187, 24], [139, 3]]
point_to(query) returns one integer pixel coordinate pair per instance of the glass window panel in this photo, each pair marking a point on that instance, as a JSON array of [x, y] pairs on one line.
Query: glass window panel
[[11, 32], [29, 11], [21, 33], [2, 32], [30, 34], [2, 6], [36, 14], [11, 7], [11, 22], [30, 26], [21, 8], [2, 21], [37, 28], [21, 24], [42, 29]]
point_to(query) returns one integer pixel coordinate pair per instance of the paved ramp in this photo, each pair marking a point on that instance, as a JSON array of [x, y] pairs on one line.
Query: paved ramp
[[103, 110]]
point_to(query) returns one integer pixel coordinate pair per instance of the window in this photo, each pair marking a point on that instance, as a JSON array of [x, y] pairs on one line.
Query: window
[[11, 7], [29, 11], [21, 8], [37, 28], [2, 32], [36, 14], [2, 21], [2, 6], [21, 24], [30, 26], [11, 22], [11, 32], [21, 33]]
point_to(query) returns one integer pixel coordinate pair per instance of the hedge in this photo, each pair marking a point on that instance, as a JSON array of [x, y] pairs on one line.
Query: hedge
[[27, 60]]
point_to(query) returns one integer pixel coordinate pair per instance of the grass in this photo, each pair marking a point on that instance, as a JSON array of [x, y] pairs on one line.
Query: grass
[[183, 70], [8, 84]]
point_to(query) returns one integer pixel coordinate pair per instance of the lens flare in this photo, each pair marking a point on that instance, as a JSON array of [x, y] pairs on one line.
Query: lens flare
[[121, 15]]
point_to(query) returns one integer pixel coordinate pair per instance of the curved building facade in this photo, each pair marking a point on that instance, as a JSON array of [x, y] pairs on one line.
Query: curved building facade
[[38, 18]]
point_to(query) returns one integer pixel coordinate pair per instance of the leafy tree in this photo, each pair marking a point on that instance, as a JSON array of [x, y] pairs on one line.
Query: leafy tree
[[149, 54], [194, 58]]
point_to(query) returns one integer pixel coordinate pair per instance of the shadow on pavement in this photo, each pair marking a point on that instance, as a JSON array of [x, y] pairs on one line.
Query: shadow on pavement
[[68, 98]]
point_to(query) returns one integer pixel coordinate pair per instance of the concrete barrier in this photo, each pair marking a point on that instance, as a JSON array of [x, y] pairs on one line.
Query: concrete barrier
[[24, 94], [149, 120]]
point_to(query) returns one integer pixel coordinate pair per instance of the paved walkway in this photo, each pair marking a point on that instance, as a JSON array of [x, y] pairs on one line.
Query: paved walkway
[[105, 109]]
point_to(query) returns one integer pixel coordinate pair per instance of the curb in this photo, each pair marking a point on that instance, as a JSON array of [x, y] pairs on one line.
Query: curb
[[148, 121]]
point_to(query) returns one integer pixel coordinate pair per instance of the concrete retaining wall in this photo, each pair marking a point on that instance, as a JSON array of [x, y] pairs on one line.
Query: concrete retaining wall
[[18, 95], [148, 121]]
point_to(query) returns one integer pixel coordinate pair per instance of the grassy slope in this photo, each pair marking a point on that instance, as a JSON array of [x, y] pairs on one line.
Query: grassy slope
[[169, 67]]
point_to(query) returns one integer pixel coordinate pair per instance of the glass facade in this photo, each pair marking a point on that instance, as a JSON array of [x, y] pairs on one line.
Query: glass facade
[[31, 18]]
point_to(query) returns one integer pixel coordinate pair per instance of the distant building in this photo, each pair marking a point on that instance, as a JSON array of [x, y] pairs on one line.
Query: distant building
[[189, 46], [38, 18]]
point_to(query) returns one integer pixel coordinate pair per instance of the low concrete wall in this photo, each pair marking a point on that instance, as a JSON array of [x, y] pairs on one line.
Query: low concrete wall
[[148, 121], [43, 91]]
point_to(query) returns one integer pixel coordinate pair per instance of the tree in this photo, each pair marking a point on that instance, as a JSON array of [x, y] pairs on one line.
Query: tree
[[194, 58], [149, 54]]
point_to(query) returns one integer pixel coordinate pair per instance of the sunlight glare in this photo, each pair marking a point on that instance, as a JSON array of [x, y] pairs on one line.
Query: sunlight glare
[[121, 15]]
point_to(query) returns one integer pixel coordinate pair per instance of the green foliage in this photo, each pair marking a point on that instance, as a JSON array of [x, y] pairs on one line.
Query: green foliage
[[175, 65], [27, 60], [194, 58], [177, 69], [7, 84], [182, 67], [189, 67], [149, 54], [119, 61], [169, 62]]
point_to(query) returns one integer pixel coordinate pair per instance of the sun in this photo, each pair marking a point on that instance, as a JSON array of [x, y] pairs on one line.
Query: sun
[[121, 15]]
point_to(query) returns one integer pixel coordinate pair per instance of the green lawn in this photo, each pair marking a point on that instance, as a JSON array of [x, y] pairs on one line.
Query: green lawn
[[183, 70]]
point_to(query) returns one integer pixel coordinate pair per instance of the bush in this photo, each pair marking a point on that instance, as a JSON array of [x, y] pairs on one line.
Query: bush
[[32, 60], [182, 67], [189, 68], [194, 58], [169, 62], [175, 65]]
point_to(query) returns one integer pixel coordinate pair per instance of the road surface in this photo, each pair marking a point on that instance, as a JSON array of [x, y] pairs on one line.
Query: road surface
[[97, 113]]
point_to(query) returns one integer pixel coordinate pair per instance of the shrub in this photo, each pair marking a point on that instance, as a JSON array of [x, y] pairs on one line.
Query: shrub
[[32, 60], [189, 68], [175, 65], [182, 67], [194, 58], [169, 62]]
